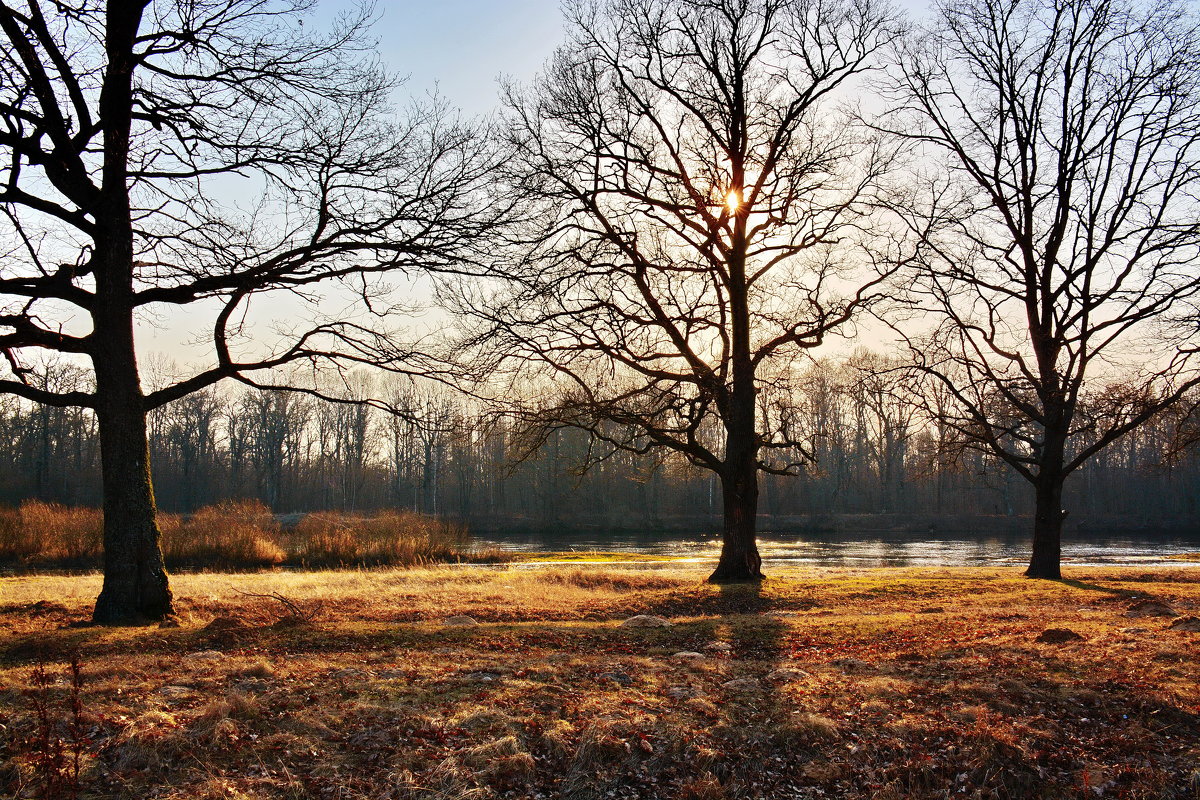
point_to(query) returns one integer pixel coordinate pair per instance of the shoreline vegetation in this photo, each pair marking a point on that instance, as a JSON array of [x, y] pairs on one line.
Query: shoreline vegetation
[[436, 682], [240, 535], [246, 535]]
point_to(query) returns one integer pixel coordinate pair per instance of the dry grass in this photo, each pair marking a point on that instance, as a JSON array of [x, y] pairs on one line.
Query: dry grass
[[849, 684], [238, 535], [48, 534], [389, 538]]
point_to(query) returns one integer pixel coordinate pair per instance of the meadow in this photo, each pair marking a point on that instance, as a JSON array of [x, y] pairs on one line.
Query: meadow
[[530, 682]]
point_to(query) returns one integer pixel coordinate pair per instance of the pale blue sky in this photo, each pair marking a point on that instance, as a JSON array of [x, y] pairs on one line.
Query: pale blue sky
[[463, 46]]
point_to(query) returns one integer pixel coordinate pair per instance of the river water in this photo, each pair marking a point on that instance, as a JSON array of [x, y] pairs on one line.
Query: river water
[[869, 549]]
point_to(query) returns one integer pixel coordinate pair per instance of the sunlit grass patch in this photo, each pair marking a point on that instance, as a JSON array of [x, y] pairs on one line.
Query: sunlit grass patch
[[816, 681], [595, 557]]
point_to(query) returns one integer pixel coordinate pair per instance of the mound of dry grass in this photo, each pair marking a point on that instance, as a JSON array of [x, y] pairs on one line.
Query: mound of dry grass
[[391, 538], [51, 535]]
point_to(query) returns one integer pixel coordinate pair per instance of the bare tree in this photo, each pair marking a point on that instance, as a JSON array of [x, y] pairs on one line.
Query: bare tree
[[129, 132], [1058, 256], [693, 195]]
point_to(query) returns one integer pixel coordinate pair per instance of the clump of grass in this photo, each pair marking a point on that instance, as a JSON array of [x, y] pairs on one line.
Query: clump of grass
[[241, 533], [393, 538], [610, 581], [50, 534]]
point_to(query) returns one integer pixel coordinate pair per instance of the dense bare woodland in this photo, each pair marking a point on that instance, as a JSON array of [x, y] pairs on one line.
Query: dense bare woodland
[[873, 454]]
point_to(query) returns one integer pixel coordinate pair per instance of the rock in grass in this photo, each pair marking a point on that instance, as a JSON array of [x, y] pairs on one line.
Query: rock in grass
[[1058, 636], [1150, 608], [687, 655], [787, 674], [646, 621], [1191, 624], [207, 655], [682, 692], [721, 647], [742, 685], [460, 621], [617, 677]]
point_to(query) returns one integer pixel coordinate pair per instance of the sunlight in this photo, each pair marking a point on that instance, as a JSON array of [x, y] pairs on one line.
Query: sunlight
[[733, 201]]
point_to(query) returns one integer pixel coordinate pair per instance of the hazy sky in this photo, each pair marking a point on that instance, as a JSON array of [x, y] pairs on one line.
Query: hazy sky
[[458, 48], [462, 46]]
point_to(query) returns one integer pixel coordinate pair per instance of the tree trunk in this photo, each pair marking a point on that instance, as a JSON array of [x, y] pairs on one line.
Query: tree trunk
[[1048, 511], [136, 587], [740, 560], [1047, 528]]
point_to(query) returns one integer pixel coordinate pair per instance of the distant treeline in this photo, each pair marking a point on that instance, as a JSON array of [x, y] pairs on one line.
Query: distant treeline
[[872, 453]]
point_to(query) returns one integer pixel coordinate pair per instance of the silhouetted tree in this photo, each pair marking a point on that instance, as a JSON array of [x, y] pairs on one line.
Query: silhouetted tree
[[1059, 255], [693, 200], [130, 135]]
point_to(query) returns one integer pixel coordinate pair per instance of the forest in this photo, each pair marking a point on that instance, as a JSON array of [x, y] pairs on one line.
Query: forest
[[874, 453], [706, 249]]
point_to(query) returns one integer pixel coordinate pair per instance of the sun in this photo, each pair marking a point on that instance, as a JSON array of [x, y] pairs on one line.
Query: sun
[[733, 201]]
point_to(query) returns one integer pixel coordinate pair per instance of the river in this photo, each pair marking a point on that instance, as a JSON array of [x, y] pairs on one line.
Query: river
[[873, 549]]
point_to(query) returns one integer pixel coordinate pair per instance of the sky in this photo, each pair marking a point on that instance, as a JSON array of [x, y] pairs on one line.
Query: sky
[[456, 48], [461, 47]]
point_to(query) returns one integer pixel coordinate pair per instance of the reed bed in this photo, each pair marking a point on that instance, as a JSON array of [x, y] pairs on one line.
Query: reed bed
[[238, 535]]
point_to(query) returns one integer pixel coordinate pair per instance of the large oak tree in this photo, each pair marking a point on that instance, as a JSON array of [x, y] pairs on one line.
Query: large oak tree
[[694, 199], [159, 156], [1057, 258]]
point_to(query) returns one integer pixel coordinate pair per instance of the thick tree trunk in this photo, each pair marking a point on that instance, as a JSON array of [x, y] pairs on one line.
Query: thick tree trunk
[[1048, 511], [136, 587], [1047, 528], [740, 560]]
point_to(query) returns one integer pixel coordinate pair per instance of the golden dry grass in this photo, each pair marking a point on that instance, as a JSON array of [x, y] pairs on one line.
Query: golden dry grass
[[238, 535], [821, 683]]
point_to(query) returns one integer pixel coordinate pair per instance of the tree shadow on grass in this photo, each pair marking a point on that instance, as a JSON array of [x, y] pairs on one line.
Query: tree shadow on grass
[[1094, 587], [756, 720]]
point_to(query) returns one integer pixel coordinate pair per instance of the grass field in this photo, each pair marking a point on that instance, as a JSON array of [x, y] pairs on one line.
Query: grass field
[[818, 684]]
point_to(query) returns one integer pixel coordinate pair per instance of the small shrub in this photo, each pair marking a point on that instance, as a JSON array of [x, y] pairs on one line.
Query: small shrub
[[399, 538], [235, 533], [56, 751], [49, 534]]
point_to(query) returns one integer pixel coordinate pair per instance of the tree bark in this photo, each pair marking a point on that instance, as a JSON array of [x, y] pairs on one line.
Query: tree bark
[[1047, 528], [136, 587], [740, 560], [1048, 512]]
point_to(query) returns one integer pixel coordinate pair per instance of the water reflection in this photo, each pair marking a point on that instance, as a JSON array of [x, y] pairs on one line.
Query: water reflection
[[883, 549]]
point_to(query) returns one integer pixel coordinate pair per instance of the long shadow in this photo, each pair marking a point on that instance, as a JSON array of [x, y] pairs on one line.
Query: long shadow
[[754, 711], [1092, 587]]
